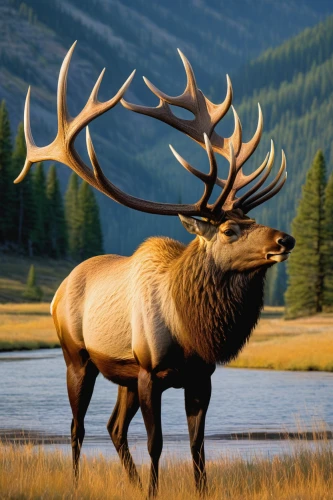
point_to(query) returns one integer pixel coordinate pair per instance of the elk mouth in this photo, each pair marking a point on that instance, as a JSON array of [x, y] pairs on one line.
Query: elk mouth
[[278, 257]]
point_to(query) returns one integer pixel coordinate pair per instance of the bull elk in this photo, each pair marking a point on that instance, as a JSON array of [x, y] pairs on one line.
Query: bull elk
[[166, 315]]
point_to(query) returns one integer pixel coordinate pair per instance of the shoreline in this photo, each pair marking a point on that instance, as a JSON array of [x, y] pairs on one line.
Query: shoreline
[[35, 437], [26, 347]]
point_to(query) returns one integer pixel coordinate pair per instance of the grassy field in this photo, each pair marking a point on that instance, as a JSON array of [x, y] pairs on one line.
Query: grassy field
[[300, 344], [26, 326], [31, 473], [14, 272]]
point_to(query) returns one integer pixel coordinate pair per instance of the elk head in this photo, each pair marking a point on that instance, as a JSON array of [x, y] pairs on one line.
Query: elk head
[[234, 240]]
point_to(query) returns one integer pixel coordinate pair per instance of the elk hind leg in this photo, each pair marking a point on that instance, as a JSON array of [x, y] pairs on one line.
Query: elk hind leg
[[126, 407], [81, 378]]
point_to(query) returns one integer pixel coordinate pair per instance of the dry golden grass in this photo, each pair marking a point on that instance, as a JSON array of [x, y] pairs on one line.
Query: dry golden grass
[[31, 473], [26, 326], [299, 344]]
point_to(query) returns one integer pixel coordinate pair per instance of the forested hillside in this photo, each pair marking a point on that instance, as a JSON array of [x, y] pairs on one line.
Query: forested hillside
[[293, 83]]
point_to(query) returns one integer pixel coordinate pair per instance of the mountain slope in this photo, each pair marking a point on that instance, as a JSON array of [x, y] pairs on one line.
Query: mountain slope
[[35, 36]]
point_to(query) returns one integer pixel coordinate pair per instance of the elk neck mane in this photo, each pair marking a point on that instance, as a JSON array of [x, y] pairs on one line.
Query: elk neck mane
[[217, 309]]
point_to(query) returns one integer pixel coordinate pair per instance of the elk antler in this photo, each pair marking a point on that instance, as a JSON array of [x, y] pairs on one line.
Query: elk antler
[[206, 116], [62, 150]]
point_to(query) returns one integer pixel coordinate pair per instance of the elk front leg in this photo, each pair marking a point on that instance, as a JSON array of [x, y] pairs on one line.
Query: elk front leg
[[197, 397], [126, 407], [150, 396]]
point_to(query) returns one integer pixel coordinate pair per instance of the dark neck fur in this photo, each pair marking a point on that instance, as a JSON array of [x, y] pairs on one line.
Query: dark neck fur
[[218, 309]]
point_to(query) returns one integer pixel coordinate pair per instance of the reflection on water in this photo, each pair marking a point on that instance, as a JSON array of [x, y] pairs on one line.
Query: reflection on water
[[33, 396]]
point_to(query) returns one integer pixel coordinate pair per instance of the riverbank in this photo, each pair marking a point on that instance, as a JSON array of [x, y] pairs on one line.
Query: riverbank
[[26, 327], [304, 344], [36, 473]]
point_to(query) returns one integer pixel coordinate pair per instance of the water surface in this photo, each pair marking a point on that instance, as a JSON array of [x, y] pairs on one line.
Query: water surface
[[33, 397]]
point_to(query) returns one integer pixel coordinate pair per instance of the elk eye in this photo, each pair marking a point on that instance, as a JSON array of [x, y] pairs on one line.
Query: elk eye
[[229, 232]]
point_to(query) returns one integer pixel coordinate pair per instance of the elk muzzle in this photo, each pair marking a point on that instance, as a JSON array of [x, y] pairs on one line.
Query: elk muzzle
[[285, 243]]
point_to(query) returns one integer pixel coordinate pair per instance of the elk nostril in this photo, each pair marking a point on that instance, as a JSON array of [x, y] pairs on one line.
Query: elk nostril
[[287, 241]]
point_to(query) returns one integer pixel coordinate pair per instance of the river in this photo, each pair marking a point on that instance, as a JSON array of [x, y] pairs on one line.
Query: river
[[268, 404]]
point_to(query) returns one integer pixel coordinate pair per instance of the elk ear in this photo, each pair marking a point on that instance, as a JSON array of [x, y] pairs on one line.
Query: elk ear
[[200, 227]]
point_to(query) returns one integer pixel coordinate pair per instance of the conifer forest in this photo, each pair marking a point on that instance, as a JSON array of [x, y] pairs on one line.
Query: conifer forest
[[36, 219]]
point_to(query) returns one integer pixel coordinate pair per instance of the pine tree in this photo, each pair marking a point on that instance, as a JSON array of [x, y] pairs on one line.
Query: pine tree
[[22, 197], [39, 233], [5, 180], [56, 224], [91, 240], [306, 266], [328, 248], [32, 291], [72, 216]]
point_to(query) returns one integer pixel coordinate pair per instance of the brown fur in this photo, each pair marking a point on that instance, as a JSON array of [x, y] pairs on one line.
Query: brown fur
[[218, 309], [123, 372]]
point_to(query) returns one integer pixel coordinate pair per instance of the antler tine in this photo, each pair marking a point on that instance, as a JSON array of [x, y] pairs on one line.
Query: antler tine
[[103, 183], [209, 179], [268, 192], [242, 180], [248, 148], [29, 140], [188, 99], [229, 182], [267, 197], [268, 164], [27, 126], [219, 110], [191, 85], [187, 166], [62, 111]]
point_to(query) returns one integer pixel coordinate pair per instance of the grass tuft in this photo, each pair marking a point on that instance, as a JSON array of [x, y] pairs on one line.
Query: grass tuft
[[29, 472]]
